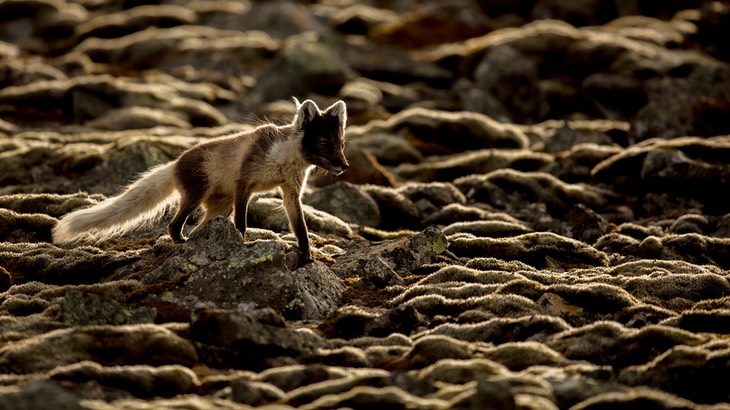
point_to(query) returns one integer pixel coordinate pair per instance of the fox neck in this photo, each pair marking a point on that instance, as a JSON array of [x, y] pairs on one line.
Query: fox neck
[[289, 150]]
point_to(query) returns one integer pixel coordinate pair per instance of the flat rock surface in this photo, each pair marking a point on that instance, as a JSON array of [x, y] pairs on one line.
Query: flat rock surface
[[535, 214]]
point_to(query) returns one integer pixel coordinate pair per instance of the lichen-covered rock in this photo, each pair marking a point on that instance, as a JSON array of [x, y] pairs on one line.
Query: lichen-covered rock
[[71, 164], [653, 167], [635, 397], [50, 264], [536, 249], [108, 345], [609, 342], [503, 330], [215, 268], [450, 167], [431, 130], [114, 25], [420, 249], [142, 380], [82, 308], [25, 227], [85, 98], [492, 229], [694, 369], [514, 190], [254, 393]]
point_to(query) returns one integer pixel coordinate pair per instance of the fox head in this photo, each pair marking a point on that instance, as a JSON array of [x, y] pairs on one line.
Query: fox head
[[323, 135]]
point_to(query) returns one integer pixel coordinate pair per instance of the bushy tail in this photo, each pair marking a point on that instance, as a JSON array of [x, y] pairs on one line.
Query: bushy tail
[[141, 202]]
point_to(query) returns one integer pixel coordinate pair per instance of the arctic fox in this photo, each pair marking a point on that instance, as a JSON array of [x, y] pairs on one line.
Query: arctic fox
[[222, 175]]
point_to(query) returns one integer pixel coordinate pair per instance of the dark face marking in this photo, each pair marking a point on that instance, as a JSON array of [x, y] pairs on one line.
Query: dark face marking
[[323, 143]]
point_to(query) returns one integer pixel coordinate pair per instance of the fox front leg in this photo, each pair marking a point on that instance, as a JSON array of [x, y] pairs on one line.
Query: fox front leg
[[293, 206]]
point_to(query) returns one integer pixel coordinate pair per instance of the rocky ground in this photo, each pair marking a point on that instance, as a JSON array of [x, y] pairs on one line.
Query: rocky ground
[[536, 214]]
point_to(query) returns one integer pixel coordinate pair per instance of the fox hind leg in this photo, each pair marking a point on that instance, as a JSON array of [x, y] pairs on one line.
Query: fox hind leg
[[214, 205], [243, 197], [188, 204]]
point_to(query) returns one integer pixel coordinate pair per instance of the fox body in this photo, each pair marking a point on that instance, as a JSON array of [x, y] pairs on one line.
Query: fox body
[[222, 175]]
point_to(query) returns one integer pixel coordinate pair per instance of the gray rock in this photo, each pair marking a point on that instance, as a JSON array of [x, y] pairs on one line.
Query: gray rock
[[413, 252], [255, 339], [305, 64], [38, 395], [269, 213], [512, 78], [692, 106], [670, 175], [389, 149], [390, 64], [583, 224], [432, 23], [347, 202], [396, 210], [215, 268]]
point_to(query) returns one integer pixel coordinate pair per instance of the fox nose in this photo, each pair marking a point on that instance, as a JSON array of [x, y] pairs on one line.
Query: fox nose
[[342, 167]]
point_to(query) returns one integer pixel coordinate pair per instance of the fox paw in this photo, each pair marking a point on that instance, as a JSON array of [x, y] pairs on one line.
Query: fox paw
[[304, 258]]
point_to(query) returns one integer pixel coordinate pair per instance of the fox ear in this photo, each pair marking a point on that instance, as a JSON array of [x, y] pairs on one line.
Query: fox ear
[[306, 111], [338, 109]]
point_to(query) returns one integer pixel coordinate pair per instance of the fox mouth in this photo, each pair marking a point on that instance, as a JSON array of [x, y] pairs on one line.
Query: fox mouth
[[335, 170]]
